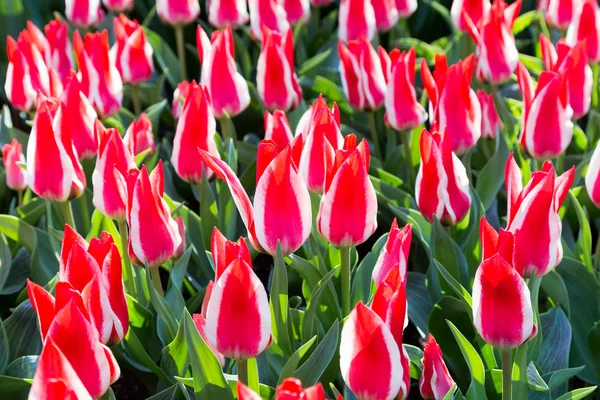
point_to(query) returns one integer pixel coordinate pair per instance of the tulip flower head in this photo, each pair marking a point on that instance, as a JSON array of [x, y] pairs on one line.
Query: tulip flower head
[[269, 14], [394, 254], [119, 6], [178, 12], [12, 156], [277, 129], [179, 96], [592, 183], [60, 55], [491, 124], [406, 8], [245, 393], [586, 26], [386, 14], [474, 9], [222, 13], [291, 388], [297, 11], [435, 381], [559, 13], [132, 52], [84, 13], [139, 136], [18, 87], [356, 20]]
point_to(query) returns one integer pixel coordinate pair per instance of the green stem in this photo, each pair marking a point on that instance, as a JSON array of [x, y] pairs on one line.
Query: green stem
[[224, 125], [19, 198], [345, 255], [181, 51], [534, 288], [68, 213], [242, 367], [597, 254], [155, 273], [506, 374], [407, 154], [539, 164], [128, 270], [374, 135], [135, 98]]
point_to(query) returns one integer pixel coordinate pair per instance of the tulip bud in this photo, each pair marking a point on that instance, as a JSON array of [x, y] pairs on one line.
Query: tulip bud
[[369, 356], [386, 14], [119, 6], [139, 136], [533, 217], [153, 234], [442, 186], [16, 177], [491, 124], [60, 58], [132, 52], [100, 80], [179, 96], [402, 109], [406, 8], [227, 87], [394, 254], [37, 39], [547, 126], [18, 87], [306, 124], [356, 20], [297, 11], [362, 75], [585, 26], [497, 53], [224, 252], [222, 13], [178, 12], [435, 380], [84, 13], [291, 389], [455, 108], [268, 14], [277, 129], [474, 9], [196, 129], [348, 192], [276, 79], [559, 13], [574, 62]]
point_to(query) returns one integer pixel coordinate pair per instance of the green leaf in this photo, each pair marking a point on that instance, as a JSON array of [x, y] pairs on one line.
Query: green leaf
[[584, 239], [419, 302], [253, 379], [520, 385], [21, 333], [14, 388], [534, 380], [279, 304], [557, 378], [477, 387], [361, 279], [555, 350], [11, 7], [313, 62], [460, 291], [308, 323], [311, 370], [554, 287], [23, 367], [292, 364], [162, 309], [136, 354], [578, 393], [415, 355], [490, 179], [209, 382], [524, 21], [444, 250], [164, 56], [423, 49], [174, 358]]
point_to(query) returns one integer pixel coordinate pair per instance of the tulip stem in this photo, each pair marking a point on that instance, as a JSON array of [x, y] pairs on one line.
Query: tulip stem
[[374, 136], [345, 256], [224, 125], [181, 51], [597, 254], [135, 98], [155, 273], [242, 367], [407, 154], [19, 198], [68, 213], [128, 270], [506, 374]]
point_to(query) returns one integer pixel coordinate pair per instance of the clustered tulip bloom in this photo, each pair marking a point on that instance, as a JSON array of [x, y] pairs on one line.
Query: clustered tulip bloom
[[178, 12], [277, 129], [12, 156], [267, 15], [435, 381], [132, 52], [491, 124], [60, 49], [585, 26], [356, 19], [139, 136], [394, 254]]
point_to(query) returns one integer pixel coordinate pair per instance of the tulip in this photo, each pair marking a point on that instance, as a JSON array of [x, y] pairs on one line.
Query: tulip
[[56, 85], [268, 14], [586, 26], [181, 228], [18, 87], [178, 12], [291, 389], [227, 87], [53, 171], [132, 52], [406, 8], [224, 252], [591, 178], [222, 13], [60, 56], [282, 208], [119, 6], [442, 187], [179, 96], [578, 72], [297, 11], [497, 53], [491, 124], [533, 217], [34, 52], [402, 109], [276, 80], [200, 322], [363, 78], [356, 20], [277, 129], [196, 129], [84, 13], [455, 108], [37, 39], [559, 13], [435, 380], [474, 9], [547, 126], [245, 393], [100, 79], [139, 136], [305, 125], [110, 191], [16, 177], [386, 14], [80, 117], [394, 254], [369, 356]]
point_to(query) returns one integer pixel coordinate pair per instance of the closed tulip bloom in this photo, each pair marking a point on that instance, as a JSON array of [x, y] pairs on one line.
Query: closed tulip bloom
[[224, 252], [132, 52], [196, 129], [369, 356], [297, 11], [291, 389], [12, 155], [153, 233], [394, 254], [348, 192], [276, 79], [386, 14], [406, 8], [178, 12], [139, 136], [110, 190], [402, 109], [533, 217], [475, 10], [84, 13], [305, 125], [268, 14], [573, 61], [100, 80], [281, 210], [222, 13], [37, 38], [435, 381], [34, 52], [53, 170], [455, 109], [60, 56], [356, 20], [591, 177], [559, 13], [362, 75], [119, 6], [547, 126], [227, 87], [179, 96], [245, 393], [442, 186], [497, 53], [277, 128], [18, 87], [491, 124], [586, 26]]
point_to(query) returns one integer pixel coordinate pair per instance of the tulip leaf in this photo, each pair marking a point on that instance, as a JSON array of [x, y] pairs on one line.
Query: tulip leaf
[[293, 361], [136, 355], [554, 287], [209, 381], [584, 239], [520, 386], [415, 355], [362, 284], [14, 388], [477, 387], [163, 310], [308, 323], [166, 59], [174, 358], [419, 302], [458, 289], [311, 370], [535, 381], [445, 250], [208, 209], [558, 378], [490, 181], [23, 367], [555, 350], [578, 393], [279, 304]]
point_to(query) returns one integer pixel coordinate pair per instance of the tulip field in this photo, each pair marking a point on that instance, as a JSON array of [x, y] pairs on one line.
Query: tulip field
[[300, 199]]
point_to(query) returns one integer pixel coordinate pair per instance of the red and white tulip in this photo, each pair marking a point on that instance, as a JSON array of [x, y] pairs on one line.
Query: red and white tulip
[[435, 381], [84, 13], [586, 26], [356, 20], [12, 156], [222, 13], [139, 136], [474, 9], [269, 14], [119, 6], [277, 129], [394, 254], [60, 49], [491, 124], [178, 12], [132, 52]]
